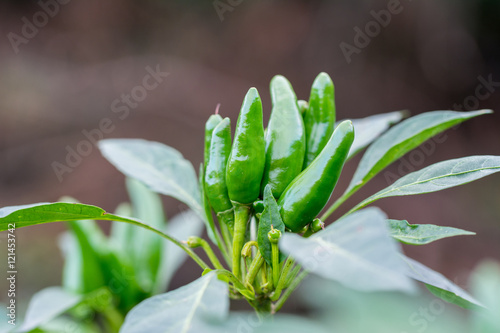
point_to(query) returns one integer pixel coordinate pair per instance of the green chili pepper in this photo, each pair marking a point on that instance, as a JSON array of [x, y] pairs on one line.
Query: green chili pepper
[[245, 167], [319, 118], [285, 139], [308, 194], [215, 175], [210, 125], [246, 161]]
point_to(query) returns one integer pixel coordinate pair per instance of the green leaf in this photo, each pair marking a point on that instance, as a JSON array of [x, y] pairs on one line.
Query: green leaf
[[389, 312], [182, 310], [40, 213], [162, 168], [402, 138], [439, 285], [48, 304], [82, 270], [251, 322], [356, 251], [367, 129], [144, 247], [485, 283], [420, 234], [270, 216], [438, 177], [181, 226]]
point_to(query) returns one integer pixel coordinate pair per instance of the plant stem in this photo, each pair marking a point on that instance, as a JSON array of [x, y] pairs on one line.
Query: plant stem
[[295, 283], [283, 278], [241, 215], [276, 262], [221, 245], [210, 253], [228, 240], [114, 318], [184, 247], [339, 202], [292, 276], [254, 268]]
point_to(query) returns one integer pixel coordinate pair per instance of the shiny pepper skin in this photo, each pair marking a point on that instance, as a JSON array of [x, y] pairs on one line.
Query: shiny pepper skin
[[285, 138], [211, 123], [308, 194], [246, 161], [319, 117], [215, 174]]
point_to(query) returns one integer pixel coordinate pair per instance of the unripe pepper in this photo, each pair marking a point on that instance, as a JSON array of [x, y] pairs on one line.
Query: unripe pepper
[[244, 169], [211, 123], [285, 138], [310, 191], [246, 161], [319, 117], [215, 174]]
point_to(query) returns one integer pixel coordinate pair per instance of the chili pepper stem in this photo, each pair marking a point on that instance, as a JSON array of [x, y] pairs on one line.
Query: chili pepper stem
[[283, 278], [241, 216], [211, 255], [254, 268], [276, 263], [227, 238], [222, 247], [194, 242]]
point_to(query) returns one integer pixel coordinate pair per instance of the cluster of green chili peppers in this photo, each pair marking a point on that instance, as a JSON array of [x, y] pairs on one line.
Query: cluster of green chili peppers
[[299, 157]]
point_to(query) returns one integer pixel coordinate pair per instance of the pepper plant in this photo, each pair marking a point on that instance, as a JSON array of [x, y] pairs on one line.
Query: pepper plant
[[260, 194]]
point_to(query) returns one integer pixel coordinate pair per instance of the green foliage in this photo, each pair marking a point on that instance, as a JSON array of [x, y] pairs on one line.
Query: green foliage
[[420, 234], [106, 278]]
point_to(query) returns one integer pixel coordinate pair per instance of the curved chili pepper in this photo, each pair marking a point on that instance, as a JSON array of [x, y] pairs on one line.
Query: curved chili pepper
[[308, 194], [244, 169], [285, 138], [215, 174], [319, 117]]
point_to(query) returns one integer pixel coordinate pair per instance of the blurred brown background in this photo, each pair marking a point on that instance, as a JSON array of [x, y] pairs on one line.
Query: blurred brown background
[[62, 78]]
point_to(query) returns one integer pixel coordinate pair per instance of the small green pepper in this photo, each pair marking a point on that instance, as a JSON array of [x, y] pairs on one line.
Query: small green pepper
[[246, 161], [211, 123], [245, 168], [215, 175], [319, 118], [308, 194], [285, 138]]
